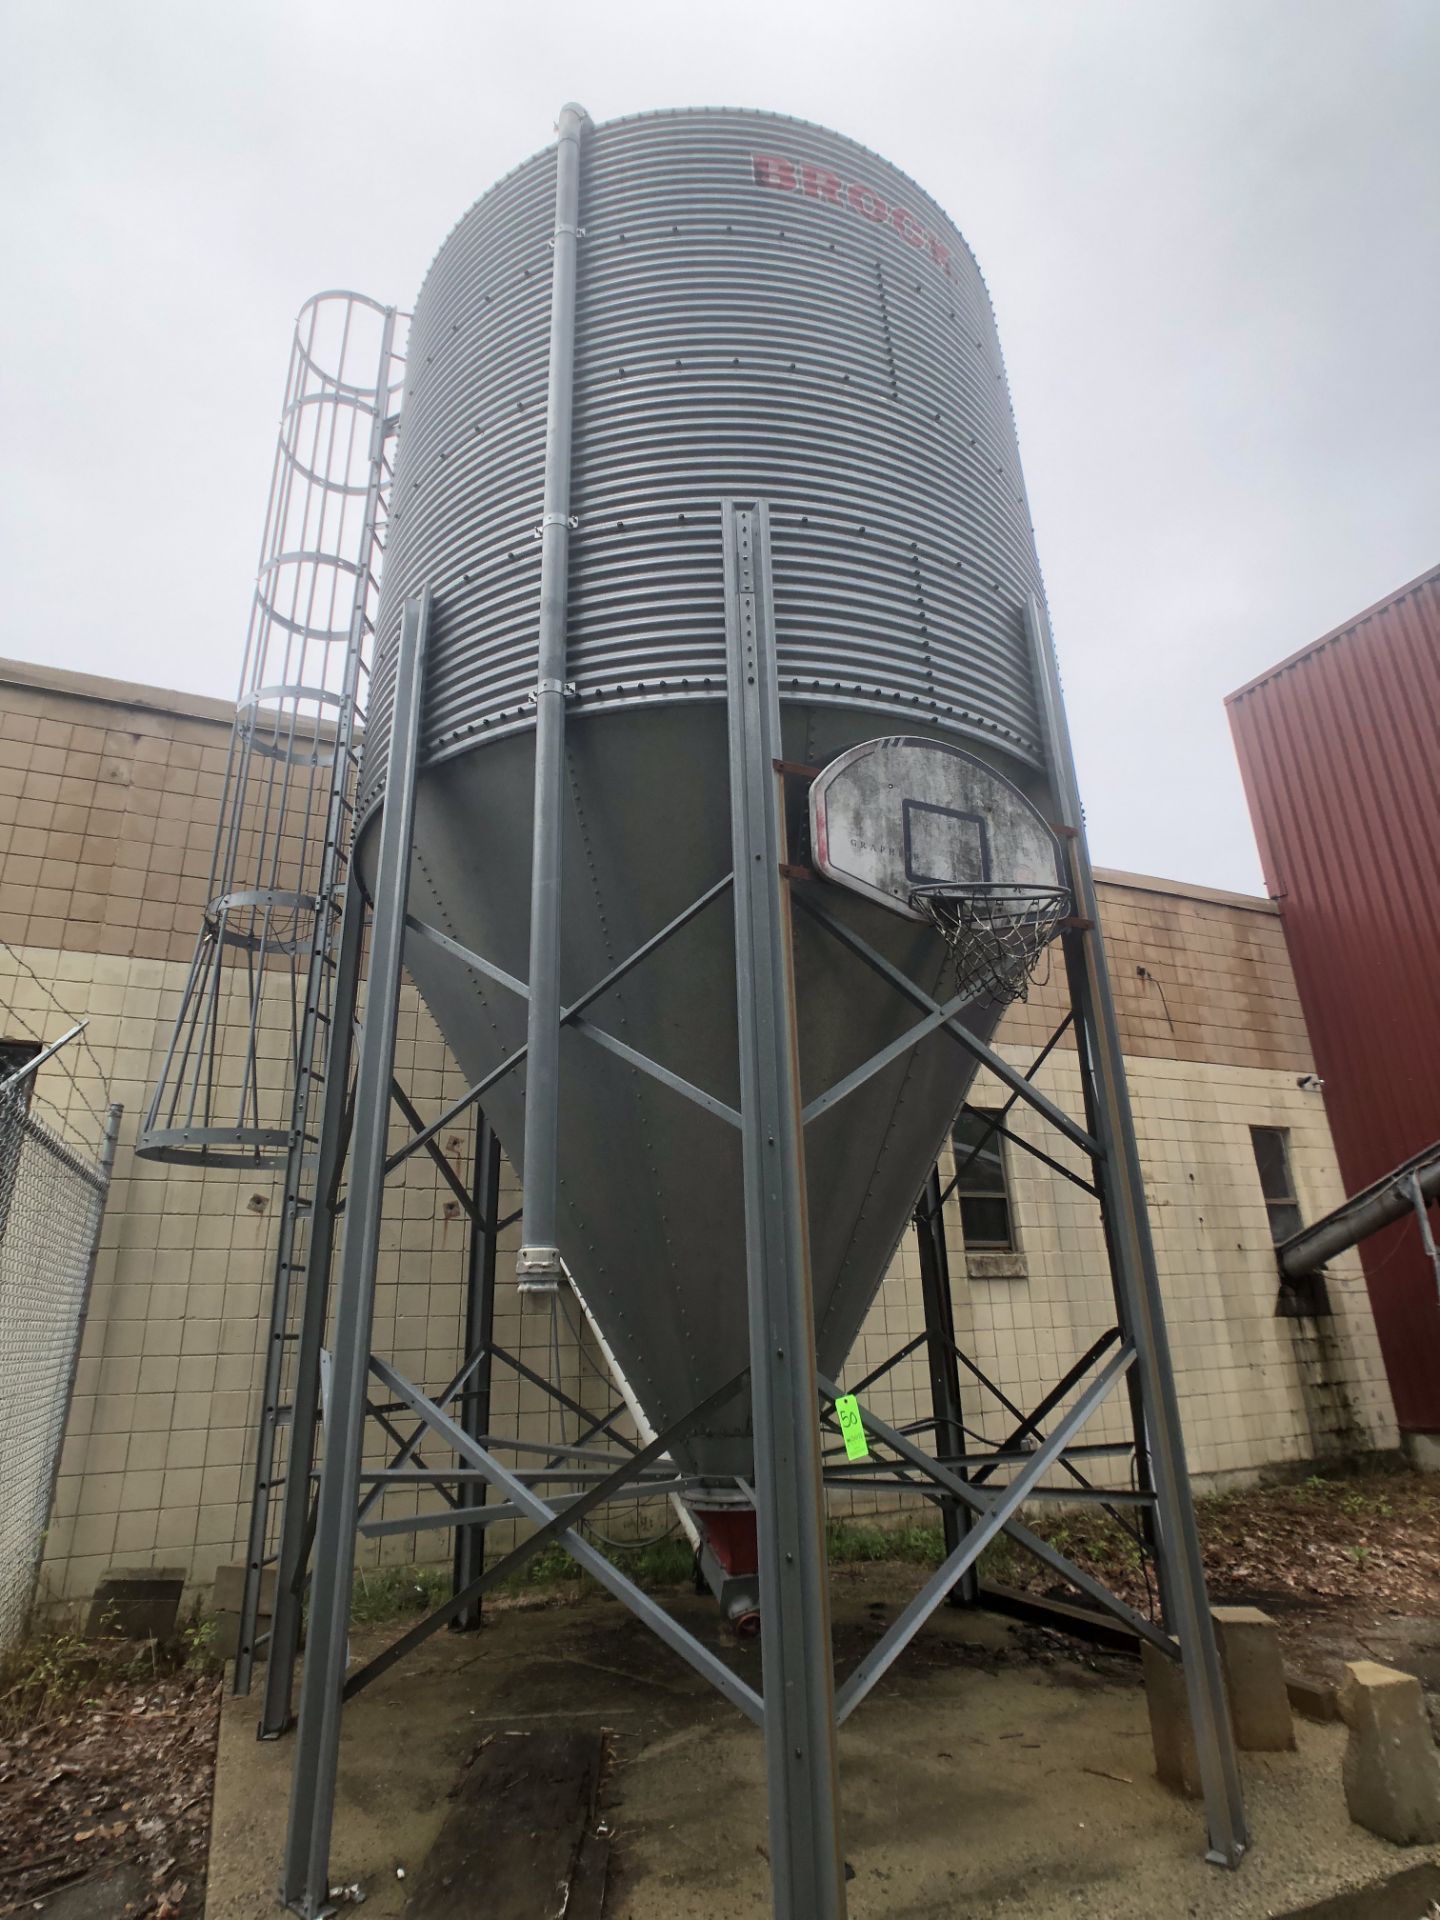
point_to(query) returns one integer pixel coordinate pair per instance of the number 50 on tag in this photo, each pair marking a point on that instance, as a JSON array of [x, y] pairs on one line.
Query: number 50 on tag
[[852, 1427]]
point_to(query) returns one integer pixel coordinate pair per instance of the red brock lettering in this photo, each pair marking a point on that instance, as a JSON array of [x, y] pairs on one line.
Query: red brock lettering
[[907, 226], [820, 184], [771, 170], [865, 200], [783, 175]]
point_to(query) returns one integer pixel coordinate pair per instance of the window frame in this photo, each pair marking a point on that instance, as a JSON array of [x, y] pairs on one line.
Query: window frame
[[1282, 1208], [993, 1152]]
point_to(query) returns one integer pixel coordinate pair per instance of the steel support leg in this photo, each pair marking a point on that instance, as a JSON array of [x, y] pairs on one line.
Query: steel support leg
[[1137, 1294], [539, 1258], [805, 1861], [295, 1520], [479, 1336], [306, 1882], [945, 1404]]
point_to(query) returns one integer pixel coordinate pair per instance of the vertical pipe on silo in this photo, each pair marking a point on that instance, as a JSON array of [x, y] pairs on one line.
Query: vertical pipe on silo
[[539, 1257]]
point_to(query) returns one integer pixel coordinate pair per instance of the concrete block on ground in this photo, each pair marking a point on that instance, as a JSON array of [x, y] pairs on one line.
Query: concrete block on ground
[[1391, 1771], [1177, 1765], [229, 1589], [1249, 1644], [1422, 1450], [1315, 1699], [137, 1603], [226, 1598]]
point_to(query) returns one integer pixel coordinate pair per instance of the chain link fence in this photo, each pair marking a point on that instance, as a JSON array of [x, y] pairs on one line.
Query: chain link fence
[[52, 1198]]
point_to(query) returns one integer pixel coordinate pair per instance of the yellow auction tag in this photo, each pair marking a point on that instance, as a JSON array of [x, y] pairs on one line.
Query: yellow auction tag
[[847, 1412]]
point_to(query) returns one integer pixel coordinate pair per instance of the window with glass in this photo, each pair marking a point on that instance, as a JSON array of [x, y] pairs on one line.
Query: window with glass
[[982, 1183], [1277, 1183]]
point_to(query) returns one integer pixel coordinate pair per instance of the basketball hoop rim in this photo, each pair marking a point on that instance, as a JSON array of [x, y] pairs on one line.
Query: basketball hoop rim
[[1037, 892]]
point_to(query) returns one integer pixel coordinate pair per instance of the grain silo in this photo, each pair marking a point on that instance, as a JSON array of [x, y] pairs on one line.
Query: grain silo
[[717, 795]]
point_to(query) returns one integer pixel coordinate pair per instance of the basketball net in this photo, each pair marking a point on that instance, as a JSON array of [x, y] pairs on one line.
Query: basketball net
[[998, 934]]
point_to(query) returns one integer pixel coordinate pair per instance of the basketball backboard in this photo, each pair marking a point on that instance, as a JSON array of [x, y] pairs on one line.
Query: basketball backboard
[[894, 816]]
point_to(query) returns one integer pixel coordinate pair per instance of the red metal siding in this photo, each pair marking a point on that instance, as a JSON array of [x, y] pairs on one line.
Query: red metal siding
[[1339, 748]]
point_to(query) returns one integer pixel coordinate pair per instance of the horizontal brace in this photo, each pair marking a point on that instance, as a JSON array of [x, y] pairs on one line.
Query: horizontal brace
[[487, 1516], [1075, 1496], [409, 1449], [1012, 1457]]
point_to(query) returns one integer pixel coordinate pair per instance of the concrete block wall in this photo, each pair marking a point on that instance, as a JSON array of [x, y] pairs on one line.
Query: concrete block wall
[[108, 797]]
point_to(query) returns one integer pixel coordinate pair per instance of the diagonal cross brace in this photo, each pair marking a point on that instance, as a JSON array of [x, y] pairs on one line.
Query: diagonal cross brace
[[977, 1503], [963, 1166], [987, 1056], [588, 998], [994, 1514], [410, 1449], [552, 1525]]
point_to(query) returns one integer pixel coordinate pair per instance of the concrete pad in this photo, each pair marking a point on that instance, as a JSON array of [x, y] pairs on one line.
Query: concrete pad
[[1411, 1895], [982, 1778], [1249, 1644], [1391, 1772]]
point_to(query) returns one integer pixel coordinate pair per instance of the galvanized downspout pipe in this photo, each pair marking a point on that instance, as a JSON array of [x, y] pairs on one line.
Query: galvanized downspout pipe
[[539, 1258]]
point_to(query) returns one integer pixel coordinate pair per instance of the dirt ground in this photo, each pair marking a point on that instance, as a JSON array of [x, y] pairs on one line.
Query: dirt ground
[[992, 1774], [1348, 1566], [105, 1791], [105, 1800]]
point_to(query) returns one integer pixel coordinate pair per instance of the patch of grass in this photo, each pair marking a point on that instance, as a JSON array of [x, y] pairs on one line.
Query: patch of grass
[[42, 1676], [1003, 1561], [668, 1562], [383, 1594], [918, 1545], [393, 1593], [197, 1643]]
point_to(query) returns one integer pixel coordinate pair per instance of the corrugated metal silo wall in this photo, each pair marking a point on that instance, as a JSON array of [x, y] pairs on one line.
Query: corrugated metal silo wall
[[766, 309], [1340, 752]]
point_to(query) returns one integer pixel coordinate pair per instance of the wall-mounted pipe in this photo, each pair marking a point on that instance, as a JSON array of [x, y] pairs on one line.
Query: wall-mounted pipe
[[1361, 1215]]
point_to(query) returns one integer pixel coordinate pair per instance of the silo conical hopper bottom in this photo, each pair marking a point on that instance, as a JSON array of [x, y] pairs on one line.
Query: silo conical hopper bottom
[[652, 1221]]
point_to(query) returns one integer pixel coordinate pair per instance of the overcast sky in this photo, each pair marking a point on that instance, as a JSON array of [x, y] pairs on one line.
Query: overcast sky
[[1209, 228]]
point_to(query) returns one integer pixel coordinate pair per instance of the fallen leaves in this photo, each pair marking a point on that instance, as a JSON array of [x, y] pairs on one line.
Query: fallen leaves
[[123, 1778]]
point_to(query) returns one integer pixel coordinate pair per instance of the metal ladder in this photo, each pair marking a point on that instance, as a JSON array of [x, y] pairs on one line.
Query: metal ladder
[[300, 1198]]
